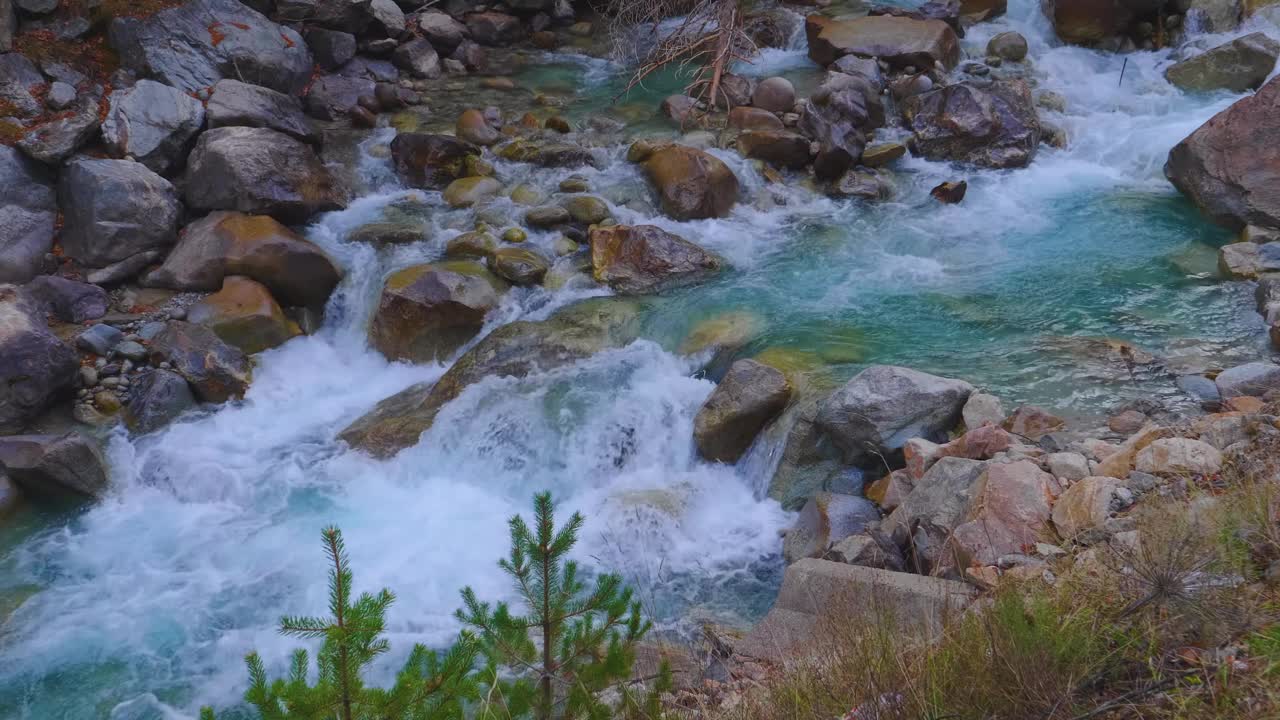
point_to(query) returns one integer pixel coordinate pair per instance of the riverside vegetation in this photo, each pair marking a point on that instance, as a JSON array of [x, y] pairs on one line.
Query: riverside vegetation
[[904, 361]]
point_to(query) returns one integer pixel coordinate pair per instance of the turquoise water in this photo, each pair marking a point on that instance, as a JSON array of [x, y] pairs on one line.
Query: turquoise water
[[143, 605]]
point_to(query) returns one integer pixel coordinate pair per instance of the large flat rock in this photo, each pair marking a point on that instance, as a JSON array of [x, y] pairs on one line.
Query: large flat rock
[[815, 592]]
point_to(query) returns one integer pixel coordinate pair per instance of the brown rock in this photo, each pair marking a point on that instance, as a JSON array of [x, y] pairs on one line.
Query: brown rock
[[1085, 505], [1010, 512], [216, 371], [1119, 463], [427, 312], [521, 266], [1032, 422], [775, 94], [777, 147], [898, 41], [644, 258], [430, 161], [295, 270], [473, 128], [1228, 166], [244, 314], [745, 117], [950, 192], [692, 184]]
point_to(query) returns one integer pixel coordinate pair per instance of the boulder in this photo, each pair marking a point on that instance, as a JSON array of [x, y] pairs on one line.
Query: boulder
[[870, 549], [677, 108], [113, 209], [8, 24], [28, 209], [878, 410], [196, 44], [1227, 166], [54, 465], [1085, 506], [418, 58], [775, 94], [444, 33], [494, 29], [430, 161], [692, 184], [69, 300], [994, 126], [216, 371], [152, 123], [156, 399], [515, 349], [750, 118], [53, 142], [20, 82], [334, 97], [244, 315], [547, 216], [1088, 22], [747, 399], [1032, 422], [468, 191], [427, 312], [587, 209], [862, 184], [824, 521], [387, 19], [1216, 16], [899, 41], [982, 409], [780, 148], [1240, 65], [473, 244], [982, 443], [548, 154], [261, 172], [237, 103], [295, 270], [1067, 466], [1009, 511], [35, 366], [1179, 456], [473, 127], [938, 502], [817, 593], [1120, 462], [838, 117], [332, 48], [520, 266], [1255, 379], [639, 259], [1010, 46]]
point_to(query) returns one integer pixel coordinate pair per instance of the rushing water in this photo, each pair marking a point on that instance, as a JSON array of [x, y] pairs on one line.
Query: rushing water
[[143, 605]]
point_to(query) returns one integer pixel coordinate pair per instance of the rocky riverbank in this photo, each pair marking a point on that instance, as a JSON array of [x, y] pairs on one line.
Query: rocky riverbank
[[166, 166]]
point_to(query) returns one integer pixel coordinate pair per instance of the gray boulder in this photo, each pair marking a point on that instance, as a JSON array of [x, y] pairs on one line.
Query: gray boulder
[[1227, 166], [750, 395], [994, 126], [1255, 379], [196, 44], [216, 371], [387, 19], [261, 172], [69, 300], [1240, 65], [839, 115], [28, 209], [884, 406], [158, 397], [152, 123], [237, 103], [55, 141], [35, 366], [826, 519], [332, 48], [444, 33], [113, 209], [19, 81], [333, 97], [8, 24], [494, 28], [53, 465], [932, 511], [418, 58]]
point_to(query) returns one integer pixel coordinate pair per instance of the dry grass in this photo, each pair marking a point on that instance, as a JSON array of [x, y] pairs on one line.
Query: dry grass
[[1180, 624]]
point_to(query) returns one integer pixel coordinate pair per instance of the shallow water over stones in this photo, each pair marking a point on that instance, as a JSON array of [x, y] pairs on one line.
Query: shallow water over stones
[[1026, 289]]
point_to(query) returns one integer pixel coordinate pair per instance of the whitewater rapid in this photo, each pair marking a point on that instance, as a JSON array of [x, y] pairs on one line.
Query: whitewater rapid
[[147, 601]]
